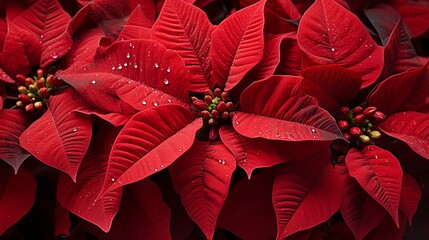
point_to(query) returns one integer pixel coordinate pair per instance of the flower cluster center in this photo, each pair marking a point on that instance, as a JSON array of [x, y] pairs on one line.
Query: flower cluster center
[[33, 92], [216, 107], [358, 124]]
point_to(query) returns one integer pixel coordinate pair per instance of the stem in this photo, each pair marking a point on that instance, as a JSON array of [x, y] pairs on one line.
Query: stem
[[12, 98]]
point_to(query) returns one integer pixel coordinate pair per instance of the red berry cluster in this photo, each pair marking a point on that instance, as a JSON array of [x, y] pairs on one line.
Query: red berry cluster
[[33, 92], [357, 124], [215, 107]]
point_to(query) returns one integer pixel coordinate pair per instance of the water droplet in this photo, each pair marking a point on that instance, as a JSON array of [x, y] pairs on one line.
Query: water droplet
[[169, 100], [180, 149], [313, 130], [125, 64], [93, 81], [168, 69], [41, 36], [156, 169], [128, 55], [166, 82], [113, 179], [136, 66], [75, 129], [162, 166], [113, 68], [333, 49], [119, 66], [156, 65], [376, 156], [54, 56], [237, 122], [144, 102], [223, 162], [155, 103]]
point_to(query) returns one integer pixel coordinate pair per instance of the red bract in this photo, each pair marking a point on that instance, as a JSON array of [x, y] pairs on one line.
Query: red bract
[[144, 109]]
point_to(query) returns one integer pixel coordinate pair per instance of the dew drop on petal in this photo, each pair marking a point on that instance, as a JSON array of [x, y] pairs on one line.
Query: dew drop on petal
[[180, 149], [93, 81], [75, 129], [333, 49], [125, 64], [128, 55], [168, 69], [113, 68], [113, 179], [169, 100], [376, 156], [156, 169], [156, 65], [54, 55], [155, 103], [144, 102], [313, 130], [119, 66], [136, 66], [237, 122], [166, 81]]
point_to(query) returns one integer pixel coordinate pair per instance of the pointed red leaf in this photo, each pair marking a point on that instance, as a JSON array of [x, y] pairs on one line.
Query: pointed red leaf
[[266, 67], [115, 119], [248, 211], [410, 196], [17, 194], [60, 138], [411, 128], [152, 140], [290, 56], [277, 109], [21, 50], [359, 210], [142, 215], [49, 22], [388, 230], [399, 52], [145, 61], [328, 33], [84, 47], [401, 92], [237, 45], [379, 174], [148, 7], [12, 124], [251, 154], [80, 198], [416, 17], [186, 29], [333, 86], [202, 177], [137, 26], [303, 196]]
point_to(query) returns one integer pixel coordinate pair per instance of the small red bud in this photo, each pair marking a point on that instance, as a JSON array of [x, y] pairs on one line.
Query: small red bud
[[231, 114], [347, 136], [379, 116], [20, 104], [215, 114], [53, 81], [212, 121], [357, 110], [208, 99], [229, 106], [344, 111], [40, 84], [225, 115], [29, 81], [22, 89], [369, 112], [221, 106], [29, 107], [43, 92], [343, 125], [225, 96], [208, 92], [205, 114], [194, 99], [20, 79], [359, 118], [24, 98], [355, 132], [200, 104], [217, 92], [38, 105], [39, 74]]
